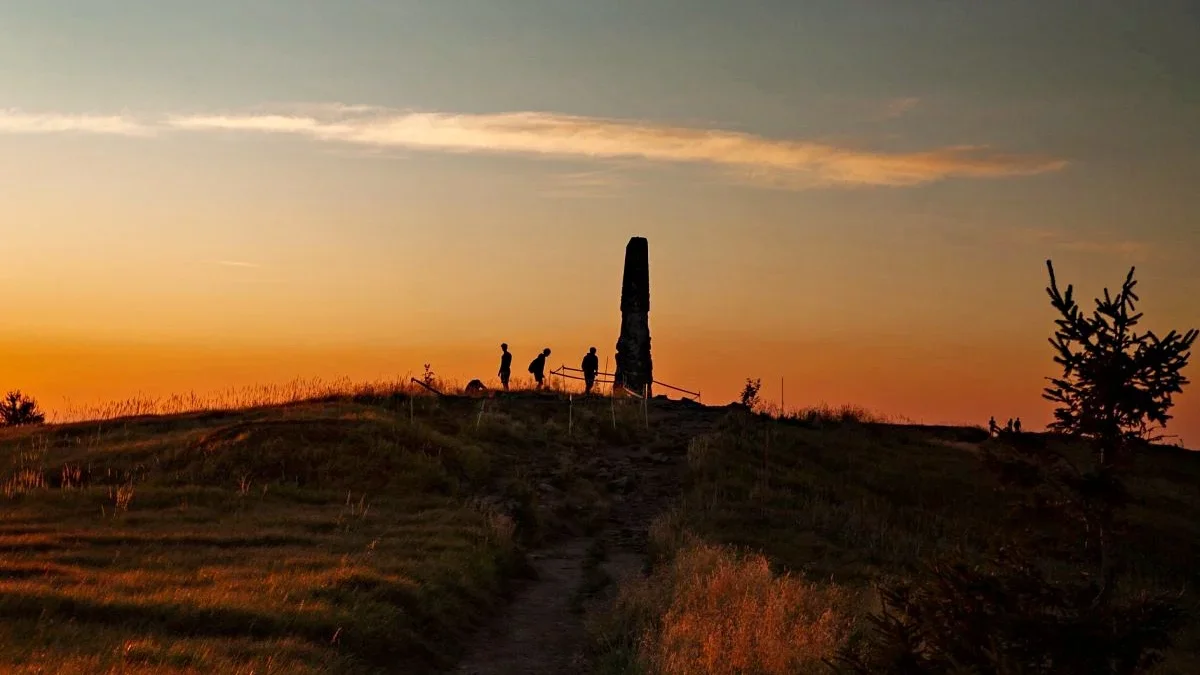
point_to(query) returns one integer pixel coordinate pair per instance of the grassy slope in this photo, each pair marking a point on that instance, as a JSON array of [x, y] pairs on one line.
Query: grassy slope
[[321, 537], [339, 537], [850, 505]]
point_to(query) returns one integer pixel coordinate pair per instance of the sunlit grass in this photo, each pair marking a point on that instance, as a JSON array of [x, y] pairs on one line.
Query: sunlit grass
[[364, 583], [710, 610], [236, 398], [292, 392], [329, 537], [314, 528]]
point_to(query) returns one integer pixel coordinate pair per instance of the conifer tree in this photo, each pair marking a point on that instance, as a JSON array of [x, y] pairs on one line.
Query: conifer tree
[[17, 409], [1008, 616]]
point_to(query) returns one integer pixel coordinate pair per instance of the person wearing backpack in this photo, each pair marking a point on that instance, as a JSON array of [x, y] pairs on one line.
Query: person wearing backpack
[[537, 367]]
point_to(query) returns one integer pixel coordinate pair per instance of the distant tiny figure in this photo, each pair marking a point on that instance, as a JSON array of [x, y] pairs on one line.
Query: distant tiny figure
[[475, 387], [1017, 426], [591, 365], [505, 365], [1009, 426], [538, 367], [993, 428]]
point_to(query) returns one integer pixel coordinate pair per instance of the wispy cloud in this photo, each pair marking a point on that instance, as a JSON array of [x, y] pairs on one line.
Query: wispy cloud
[[794, 162], [783, 162], [14, 121], [237, 263], [900, 106]]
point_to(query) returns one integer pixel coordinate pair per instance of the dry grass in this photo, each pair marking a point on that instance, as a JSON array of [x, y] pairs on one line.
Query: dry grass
[[203, 579], [293, 392], [236, 398], [713, 610], [369, 530], [319, 537], [825, 414], [844, 505], [730, 614], [354, 529]]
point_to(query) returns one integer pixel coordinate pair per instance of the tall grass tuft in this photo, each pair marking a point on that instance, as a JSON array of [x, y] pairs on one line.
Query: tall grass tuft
[[713, 611]]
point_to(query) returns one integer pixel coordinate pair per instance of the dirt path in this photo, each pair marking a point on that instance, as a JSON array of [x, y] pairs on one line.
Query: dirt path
[[538, 632], [542, 631]]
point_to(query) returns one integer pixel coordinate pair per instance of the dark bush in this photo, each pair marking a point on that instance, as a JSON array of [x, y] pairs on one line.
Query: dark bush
[[17, 409]]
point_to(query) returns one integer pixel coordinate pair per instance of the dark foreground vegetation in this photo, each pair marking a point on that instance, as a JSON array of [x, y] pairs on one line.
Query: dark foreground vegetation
[[774, 558], [378, 532]]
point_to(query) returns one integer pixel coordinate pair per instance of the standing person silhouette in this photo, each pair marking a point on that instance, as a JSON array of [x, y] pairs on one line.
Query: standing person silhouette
[[591, 364], [505, 365], [993, 428], [538, 367], [1017, 426]]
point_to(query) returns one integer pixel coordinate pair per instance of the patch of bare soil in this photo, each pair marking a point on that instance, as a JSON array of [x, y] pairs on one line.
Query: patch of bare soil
[[538, 632]]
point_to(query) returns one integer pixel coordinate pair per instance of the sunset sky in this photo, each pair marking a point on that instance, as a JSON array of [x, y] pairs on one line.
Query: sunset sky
[[858, 197]]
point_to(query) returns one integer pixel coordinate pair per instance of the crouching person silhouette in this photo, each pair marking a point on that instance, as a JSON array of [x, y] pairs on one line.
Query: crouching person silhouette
[[537, 368]]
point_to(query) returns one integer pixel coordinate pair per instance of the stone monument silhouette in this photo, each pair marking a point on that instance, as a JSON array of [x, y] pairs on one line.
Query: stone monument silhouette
[[634, 369]]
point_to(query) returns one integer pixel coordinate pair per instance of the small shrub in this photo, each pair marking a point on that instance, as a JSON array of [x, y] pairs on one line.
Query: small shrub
[[17, 409], [749, 394]]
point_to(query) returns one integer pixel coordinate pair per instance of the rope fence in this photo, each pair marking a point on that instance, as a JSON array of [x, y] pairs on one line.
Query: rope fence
[[567, 372]]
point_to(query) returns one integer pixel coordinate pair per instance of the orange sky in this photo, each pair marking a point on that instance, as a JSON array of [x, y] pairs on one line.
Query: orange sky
[[196, 196]]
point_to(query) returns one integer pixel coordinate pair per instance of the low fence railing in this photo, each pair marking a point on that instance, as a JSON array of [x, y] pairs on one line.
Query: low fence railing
[[568, 372]]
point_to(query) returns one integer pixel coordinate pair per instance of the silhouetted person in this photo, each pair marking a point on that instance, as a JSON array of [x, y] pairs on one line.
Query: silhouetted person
[[538, 367], [1017, 426], [505, 365], [591, 364], [1009, 426], [993, 428]]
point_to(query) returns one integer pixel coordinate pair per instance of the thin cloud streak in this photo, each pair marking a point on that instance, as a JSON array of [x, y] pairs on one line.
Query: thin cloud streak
[[237, 263], [900, 106], [799, 163], [14, 121]]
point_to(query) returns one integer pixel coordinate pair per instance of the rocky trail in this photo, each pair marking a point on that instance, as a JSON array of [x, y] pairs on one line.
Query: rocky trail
[[542, 629]]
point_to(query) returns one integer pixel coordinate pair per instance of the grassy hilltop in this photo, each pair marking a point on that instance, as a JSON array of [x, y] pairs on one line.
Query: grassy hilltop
[[381, 533], [335, 536]]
